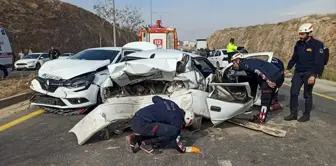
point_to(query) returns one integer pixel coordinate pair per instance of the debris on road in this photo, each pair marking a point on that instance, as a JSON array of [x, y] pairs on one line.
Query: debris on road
[[259, 127]]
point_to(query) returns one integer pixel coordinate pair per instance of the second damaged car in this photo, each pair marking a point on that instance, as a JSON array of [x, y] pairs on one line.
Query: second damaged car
[[73, 86], [189, 80]]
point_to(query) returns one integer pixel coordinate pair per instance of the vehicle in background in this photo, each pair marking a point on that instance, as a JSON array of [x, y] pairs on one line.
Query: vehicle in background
[[6, 55], [31, 61], [65, 55], [162, 37], [201, 44], [72, 86], [220, 57]]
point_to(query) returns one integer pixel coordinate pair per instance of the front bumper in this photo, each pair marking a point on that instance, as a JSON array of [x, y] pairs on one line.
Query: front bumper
[[27, 66], [62, 97]]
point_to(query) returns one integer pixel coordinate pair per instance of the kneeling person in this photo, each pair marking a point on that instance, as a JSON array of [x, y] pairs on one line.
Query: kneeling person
[[160, 124], [270, 78], [275, 103]]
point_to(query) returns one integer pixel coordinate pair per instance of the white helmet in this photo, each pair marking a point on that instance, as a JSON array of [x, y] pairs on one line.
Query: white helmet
[[306, 28], [188, 118], [236, 56]]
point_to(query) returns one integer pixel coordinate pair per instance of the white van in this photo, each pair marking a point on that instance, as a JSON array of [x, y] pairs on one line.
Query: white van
[[6, 55]]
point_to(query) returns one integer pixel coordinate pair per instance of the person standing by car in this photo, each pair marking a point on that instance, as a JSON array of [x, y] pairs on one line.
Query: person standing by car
[[21, 54], [270, 78], [158, 125], [54, 53], [231, 49], [308, 59]]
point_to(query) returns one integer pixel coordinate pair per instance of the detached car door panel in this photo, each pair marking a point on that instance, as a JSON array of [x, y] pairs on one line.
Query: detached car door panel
[[228, 100]]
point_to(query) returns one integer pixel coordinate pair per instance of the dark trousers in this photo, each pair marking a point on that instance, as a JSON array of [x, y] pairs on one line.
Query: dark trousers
[[157, 134], [299, 79], [230, 54], [267, 96]]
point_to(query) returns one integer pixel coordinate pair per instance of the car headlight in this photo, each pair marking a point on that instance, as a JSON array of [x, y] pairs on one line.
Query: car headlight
[[80, 81], [29, 63]]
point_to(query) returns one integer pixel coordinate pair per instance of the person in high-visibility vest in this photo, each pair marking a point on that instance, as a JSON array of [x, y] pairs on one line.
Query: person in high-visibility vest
[[231, 49]]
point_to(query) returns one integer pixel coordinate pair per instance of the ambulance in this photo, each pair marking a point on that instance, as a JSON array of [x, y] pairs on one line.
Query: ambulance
[[6, 55], [162, 37]]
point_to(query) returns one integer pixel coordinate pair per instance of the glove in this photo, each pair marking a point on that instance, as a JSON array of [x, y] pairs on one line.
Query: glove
[[192, 149]]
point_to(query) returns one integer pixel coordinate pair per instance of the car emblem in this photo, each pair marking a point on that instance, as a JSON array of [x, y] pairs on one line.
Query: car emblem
[[48, 82]]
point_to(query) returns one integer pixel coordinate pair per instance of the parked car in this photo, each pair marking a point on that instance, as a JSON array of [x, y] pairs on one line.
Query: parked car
[[220, 57], [32, 61], [65, 55], [188, 79], [6, 55], [74, 85]]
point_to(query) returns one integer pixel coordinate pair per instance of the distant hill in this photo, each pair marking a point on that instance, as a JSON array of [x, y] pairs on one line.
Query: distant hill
[[39, 24], [281, 37]]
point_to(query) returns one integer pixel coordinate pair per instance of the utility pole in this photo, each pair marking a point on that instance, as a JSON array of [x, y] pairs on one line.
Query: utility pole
[[114, 25], [151, 13]]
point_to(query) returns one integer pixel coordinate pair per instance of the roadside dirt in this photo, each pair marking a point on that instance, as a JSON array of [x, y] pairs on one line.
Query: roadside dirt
[[13, 86], [16, 108]]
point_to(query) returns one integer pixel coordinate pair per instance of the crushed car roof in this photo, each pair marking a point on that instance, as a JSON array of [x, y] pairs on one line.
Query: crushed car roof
[[162, 54]]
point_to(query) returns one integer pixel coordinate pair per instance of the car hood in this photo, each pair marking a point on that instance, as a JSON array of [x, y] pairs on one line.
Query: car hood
[[69, 68], [26, 60]]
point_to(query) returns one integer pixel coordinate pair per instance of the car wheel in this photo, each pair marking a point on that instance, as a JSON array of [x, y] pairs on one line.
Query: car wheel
[[38, 66], [2, 74]]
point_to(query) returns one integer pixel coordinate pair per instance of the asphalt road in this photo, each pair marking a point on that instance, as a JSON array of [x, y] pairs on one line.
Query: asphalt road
[[44, 140]]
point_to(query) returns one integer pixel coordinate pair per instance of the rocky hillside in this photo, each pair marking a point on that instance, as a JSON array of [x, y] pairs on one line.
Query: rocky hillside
[[39, 24], [280, 37]]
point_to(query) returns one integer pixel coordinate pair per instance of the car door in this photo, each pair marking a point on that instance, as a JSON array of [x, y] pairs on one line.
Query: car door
[[211, 57], [227, 100]]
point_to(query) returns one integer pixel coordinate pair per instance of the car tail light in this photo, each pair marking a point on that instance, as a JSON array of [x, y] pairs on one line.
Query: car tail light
[[10, 53]]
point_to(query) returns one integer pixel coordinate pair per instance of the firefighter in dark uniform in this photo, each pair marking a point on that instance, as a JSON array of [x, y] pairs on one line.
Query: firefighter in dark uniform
[[308, 59], [160, 124], [270, 78]]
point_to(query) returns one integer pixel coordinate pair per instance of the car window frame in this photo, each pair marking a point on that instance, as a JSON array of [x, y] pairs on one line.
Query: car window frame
[[212, 67]]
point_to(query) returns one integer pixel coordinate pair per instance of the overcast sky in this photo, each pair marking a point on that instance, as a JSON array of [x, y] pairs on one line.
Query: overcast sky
[[200, 18]]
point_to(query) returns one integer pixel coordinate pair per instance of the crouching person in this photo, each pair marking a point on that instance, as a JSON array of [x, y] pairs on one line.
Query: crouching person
[[269, 76], [159, 125]]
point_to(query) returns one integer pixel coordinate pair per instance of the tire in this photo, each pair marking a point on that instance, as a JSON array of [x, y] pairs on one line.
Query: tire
[[2, 74], [38, 66]]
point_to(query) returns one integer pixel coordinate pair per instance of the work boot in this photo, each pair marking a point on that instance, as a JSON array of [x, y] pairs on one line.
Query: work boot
[[149, 148], [291, 117], [131, 140], [256, 119], [275, 107], [304, 118]]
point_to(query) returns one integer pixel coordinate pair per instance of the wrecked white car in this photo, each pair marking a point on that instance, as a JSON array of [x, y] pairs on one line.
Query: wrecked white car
[[189, 80], [73, 85]]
